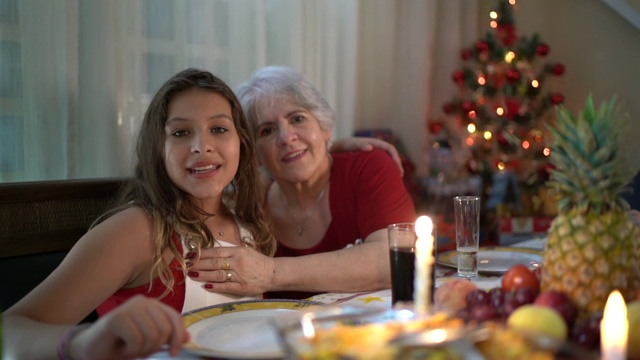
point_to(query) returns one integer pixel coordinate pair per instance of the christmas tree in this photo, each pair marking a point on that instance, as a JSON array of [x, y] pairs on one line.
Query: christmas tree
[[498, 118]]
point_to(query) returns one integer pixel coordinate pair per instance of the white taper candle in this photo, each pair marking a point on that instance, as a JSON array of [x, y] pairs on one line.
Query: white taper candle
[[424, 261]]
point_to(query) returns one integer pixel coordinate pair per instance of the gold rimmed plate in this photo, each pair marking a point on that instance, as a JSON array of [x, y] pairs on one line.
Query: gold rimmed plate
[[496, 260], [239, 330]]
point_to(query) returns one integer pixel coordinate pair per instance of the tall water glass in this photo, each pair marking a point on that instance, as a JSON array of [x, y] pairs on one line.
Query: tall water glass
[[466, 210]]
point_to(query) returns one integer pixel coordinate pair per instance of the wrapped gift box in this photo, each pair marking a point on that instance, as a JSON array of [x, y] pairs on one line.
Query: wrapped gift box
[[515, 229]]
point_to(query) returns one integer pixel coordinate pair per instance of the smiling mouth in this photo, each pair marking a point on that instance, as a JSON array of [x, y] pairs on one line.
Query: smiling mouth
[[203, 169], [295, 154]]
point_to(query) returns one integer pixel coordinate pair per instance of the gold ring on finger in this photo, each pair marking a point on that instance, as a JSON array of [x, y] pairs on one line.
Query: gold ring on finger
[[228, 275], [225, 264]]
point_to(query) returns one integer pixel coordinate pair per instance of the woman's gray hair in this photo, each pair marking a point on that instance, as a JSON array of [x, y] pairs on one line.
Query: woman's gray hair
[[273, 84]]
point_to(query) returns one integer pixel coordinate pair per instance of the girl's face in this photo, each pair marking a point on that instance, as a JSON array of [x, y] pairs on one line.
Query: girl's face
[[202, 146], [291, 144]]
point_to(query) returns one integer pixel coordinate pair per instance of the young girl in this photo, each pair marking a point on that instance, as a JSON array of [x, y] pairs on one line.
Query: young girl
[[195, 186]]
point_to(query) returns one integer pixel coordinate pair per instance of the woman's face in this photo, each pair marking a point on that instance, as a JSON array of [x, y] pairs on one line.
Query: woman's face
[[291, 144], [202, 146]]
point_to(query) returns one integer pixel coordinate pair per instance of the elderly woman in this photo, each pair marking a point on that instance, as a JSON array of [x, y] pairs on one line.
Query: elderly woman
[[329, 212]]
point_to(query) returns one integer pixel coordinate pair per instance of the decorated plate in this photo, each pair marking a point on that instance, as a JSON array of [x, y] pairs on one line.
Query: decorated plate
[[496, 259], [239, 330]]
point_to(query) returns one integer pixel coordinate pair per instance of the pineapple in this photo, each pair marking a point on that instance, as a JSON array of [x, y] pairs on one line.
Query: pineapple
[[593, 245]]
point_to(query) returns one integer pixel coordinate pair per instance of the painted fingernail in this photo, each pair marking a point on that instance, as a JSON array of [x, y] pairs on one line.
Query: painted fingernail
[[193, 274], [190, 255], [208, 286]]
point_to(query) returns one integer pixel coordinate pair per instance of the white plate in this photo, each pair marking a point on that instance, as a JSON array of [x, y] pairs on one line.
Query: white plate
[[239, 330], [496, 259]]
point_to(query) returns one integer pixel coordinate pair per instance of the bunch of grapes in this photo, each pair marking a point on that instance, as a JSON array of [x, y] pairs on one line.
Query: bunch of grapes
[[495, 304], [521, 286]]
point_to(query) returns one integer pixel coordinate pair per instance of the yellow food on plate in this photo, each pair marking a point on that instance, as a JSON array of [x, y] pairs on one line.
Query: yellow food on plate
[[366, 341]]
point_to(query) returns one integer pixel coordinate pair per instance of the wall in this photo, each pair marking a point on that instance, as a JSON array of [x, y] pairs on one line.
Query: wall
[[599, 48]]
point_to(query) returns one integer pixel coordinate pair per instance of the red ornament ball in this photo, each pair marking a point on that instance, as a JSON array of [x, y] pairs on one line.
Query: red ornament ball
[[467, 106], [507, 34], [458, 76], [557, 69], [435, 128], [482, 46], [556, 98], [466, 54], [513, 75], [448, 108], [542, 49]]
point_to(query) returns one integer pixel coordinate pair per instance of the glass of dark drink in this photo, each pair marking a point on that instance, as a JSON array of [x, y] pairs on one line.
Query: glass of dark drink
[[402, 243]]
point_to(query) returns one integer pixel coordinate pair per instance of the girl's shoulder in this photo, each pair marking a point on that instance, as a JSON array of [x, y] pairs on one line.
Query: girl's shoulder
[[131, 228]]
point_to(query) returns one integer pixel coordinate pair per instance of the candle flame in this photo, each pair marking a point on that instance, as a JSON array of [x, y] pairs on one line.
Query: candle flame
[[424, 225], [614, 328]]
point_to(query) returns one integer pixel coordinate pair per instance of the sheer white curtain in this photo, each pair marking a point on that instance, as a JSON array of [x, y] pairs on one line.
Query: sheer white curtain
[[408, 50], [89, 67]]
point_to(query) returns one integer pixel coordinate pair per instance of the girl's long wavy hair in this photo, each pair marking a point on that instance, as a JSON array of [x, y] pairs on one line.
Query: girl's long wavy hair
[[169, 207]]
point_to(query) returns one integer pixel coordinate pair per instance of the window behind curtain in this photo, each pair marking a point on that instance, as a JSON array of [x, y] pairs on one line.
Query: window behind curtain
[[76, 76]]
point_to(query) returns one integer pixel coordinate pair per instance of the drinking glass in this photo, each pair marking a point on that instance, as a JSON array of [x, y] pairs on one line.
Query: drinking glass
[[402, 256], [466, 211]]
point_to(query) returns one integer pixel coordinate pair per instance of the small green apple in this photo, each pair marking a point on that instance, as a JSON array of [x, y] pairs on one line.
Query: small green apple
[[538, 319]]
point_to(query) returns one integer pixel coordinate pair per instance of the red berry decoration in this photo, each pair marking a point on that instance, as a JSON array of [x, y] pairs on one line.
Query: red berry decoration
[[556, 98], [542, 49], [507, 34], [458, 77], [482, 46], [557, 69], [512, 107], [448, 108], [466, 54], [467, 106], [513, 75], [435, 128]]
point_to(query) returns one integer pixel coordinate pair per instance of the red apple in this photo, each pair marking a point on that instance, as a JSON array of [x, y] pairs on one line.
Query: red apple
[[519, 276], [560, 302]]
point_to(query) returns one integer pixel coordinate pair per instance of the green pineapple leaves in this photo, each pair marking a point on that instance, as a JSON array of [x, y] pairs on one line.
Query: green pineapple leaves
[[589, 172]]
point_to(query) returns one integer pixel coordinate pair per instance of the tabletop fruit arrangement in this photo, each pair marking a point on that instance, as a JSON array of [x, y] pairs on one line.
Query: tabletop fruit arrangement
[[593, 248], [593, 245]]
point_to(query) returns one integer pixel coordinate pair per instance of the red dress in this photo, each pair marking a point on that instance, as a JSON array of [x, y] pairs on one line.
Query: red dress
[[366, 194]]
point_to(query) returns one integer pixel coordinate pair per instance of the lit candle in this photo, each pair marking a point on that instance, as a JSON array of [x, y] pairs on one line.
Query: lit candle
[[424, 261], [614, 328]]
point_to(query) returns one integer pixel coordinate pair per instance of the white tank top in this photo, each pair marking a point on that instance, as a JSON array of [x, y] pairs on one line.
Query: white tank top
[[197, 297]]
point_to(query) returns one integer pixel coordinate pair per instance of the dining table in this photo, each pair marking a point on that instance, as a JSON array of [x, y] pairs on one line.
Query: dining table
[[382, 298]]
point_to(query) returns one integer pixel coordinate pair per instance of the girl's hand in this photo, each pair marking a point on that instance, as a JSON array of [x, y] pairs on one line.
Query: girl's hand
[[137, 328]]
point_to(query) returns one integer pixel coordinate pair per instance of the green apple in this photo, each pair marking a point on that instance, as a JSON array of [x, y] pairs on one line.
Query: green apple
[[536, 319]]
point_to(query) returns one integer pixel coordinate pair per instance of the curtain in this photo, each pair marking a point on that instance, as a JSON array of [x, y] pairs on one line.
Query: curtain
[[87, 69]]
